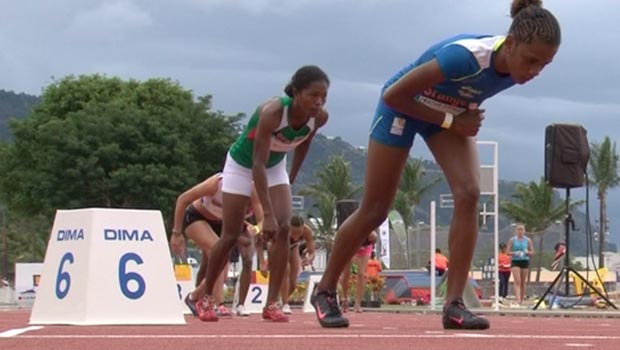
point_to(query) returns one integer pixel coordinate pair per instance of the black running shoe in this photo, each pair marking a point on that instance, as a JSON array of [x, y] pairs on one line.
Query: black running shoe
[[327, 311], [457, 316]]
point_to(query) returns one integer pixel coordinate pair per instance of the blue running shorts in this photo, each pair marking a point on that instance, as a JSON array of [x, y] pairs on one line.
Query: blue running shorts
[[395, 129]]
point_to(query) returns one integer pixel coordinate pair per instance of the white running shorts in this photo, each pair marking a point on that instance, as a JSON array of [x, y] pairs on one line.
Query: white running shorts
[[237, 179]]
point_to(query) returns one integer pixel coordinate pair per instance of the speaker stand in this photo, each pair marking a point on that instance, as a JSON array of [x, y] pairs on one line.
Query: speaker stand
[[566, 270]]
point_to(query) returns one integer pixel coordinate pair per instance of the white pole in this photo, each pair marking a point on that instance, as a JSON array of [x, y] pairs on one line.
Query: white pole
[[496, 221], [433, 241]]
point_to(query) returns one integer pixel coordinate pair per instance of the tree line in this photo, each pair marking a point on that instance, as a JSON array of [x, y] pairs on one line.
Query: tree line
[[96, 141]]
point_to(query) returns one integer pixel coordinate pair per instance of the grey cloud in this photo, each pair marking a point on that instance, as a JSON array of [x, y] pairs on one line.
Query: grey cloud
[[109, 21], [243, 51]]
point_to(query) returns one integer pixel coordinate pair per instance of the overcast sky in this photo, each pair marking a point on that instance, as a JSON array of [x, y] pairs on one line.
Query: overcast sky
[[243, 51]]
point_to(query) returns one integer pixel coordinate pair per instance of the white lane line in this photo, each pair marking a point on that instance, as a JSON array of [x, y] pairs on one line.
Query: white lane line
[[579, 345], [311, 336], [18, 331]]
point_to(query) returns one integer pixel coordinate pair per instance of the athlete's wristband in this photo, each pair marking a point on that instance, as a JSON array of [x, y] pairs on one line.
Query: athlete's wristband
[[447, 121]]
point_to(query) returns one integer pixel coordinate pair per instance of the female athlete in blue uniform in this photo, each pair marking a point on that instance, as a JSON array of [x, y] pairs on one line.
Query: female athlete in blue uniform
[[438, 96]]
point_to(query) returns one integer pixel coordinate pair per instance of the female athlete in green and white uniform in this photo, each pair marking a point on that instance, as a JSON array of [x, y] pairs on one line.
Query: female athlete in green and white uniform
[[278, 126]]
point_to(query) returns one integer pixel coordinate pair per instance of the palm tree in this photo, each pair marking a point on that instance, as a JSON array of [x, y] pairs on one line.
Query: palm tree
[[333, 184], [605, 175], [322, 221], [535, 208], [411, 189]]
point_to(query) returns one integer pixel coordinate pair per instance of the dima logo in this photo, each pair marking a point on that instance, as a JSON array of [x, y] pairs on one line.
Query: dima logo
[[110, 234], [70, 235]]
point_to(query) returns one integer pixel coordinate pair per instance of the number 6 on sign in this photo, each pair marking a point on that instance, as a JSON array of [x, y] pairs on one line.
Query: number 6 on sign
[[125, 277], [62, 290]]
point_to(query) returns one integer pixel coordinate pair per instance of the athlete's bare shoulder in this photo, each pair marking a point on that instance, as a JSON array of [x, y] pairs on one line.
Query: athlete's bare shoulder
[[271, 106]]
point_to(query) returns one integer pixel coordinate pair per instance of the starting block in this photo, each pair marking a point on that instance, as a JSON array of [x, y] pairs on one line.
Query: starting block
[[313, 280], [256, 298], [107, 266], [185, 278]]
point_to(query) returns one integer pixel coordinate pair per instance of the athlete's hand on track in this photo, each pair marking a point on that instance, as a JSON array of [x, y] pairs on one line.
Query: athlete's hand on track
[[264, 269], [177, 244], [308, 259]]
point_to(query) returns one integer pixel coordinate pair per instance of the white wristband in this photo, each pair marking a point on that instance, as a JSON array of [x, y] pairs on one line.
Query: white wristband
[[447, 121]]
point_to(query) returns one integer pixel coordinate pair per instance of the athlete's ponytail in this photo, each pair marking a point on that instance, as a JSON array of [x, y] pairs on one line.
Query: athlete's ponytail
[[518, 5], [531, 21]]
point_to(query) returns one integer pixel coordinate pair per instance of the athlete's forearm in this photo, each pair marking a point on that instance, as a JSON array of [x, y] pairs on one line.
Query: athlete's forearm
[[179, 209], [298, 158]]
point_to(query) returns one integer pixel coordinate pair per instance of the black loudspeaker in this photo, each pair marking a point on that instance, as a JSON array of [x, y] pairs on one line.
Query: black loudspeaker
[[344, 209], [566, 155]]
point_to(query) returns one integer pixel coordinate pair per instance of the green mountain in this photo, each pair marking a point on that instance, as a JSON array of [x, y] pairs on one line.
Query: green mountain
[[323, 148], [14, 105]]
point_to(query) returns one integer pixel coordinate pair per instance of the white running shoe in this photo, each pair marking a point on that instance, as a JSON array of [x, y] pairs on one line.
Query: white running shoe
[[241, 311], [286, 309]]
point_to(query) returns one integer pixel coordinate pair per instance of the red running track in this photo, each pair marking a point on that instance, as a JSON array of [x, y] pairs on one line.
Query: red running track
[[370, 330]]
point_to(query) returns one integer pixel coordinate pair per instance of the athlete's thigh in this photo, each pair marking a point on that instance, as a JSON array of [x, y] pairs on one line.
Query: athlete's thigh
[[516, 273], [234, 207], [236, 192], [281, 203], [202, 234], [384, 166], [363, 263], [458, 158]]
